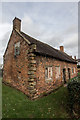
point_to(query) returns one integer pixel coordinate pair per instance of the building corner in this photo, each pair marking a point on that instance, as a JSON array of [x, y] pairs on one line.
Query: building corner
[[32, 72]]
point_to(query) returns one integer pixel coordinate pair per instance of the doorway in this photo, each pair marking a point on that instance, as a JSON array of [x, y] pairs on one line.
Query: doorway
[[69, 76], [64, 75]]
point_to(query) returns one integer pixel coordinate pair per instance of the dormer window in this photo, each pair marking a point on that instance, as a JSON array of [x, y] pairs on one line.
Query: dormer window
[[17, 48]]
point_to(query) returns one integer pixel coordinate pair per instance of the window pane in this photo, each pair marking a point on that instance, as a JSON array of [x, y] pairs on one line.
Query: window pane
[[17, 44], [17, 48], [74, 70], [48, 72], [57, 69]]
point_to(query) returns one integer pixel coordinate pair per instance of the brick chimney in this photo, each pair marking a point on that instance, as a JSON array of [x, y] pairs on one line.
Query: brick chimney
[[62, 48], [17, 24], [75, 57]]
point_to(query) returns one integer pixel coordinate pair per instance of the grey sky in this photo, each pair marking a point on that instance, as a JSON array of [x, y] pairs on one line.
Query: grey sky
[[54, 23]]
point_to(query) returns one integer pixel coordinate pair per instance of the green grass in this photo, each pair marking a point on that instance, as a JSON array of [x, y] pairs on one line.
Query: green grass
[[17, 105]]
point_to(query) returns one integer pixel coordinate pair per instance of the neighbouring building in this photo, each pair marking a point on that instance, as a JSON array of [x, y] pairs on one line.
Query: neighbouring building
[[78, 65], [78, 61], [34, 67]]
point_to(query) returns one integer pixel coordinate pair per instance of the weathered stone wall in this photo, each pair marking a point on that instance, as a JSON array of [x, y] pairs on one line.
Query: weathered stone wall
[[15, 71], [44, 86]]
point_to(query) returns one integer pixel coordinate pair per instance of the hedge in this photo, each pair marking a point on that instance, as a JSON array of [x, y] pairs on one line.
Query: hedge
[[74, 96]]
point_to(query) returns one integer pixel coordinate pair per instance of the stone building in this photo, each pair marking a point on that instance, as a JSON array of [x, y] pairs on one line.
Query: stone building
[[34, 67]]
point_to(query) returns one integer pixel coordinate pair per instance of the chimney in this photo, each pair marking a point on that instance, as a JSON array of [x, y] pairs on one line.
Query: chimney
[[75, 57], [62, 48], [17, 24]]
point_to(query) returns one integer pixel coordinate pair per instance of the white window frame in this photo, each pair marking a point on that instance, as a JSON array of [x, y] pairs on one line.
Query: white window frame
[[74, 70], [49, 68], [58, 71]]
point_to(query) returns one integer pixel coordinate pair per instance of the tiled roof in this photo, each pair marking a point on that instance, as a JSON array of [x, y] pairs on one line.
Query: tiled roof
[[47, 50]]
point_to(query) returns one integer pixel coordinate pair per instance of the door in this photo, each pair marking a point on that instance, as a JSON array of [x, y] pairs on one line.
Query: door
[[64, 75], [69, 76]]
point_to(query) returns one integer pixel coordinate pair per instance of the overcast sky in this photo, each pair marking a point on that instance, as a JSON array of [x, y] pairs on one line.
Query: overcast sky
[[54, 23]]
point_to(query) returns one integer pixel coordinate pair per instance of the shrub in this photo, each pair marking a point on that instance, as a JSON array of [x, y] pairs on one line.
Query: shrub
[[78, 66], [74, 96]]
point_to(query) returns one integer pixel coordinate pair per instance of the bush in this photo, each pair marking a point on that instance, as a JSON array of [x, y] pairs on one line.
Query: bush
[[78, 66], [74, 97]]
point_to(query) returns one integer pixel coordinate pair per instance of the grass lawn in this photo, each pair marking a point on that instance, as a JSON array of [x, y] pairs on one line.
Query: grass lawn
[[17, 105]]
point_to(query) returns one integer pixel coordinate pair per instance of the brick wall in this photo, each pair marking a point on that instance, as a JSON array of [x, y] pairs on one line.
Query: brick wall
[[15, 71], [44, 86]]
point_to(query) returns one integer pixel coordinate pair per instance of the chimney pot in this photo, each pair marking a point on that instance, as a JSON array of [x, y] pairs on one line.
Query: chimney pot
[[62, 48], [17, 24]]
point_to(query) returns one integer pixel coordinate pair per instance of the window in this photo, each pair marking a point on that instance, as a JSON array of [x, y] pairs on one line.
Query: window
[[17, 48], [57, 69], [74, 70], [48, 73]]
